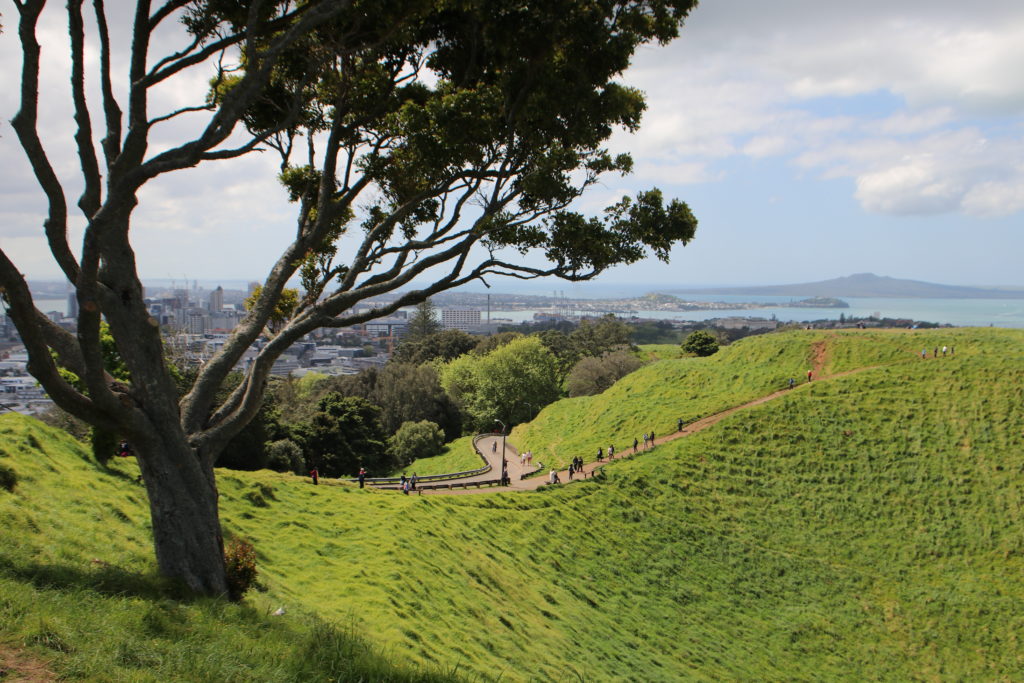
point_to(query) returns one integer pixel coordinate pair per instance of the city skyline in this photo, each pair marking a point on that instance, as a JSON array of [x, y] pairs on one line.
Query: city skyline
[[811, 142]]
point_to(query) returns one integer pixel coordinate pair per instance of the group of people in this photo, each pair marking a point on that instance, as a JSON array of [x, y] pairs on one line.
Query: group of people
[[526, 458], [576, 465], [405, 484], [935, 354]]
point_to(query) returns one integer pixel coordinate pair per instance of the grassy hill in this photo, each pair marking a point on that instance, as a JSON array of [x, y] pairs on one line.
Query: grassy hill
[[865, 526]]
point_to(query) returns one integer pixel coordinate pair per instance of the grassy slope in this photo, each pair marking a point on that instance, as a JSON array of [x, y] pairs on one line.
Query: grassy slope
[[458, 456], [865, 527], [657, 395]]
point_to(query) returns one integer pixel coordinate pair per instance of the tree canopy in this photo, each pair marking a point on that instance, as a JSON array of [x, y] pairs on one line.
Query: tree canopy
[[443, 141]]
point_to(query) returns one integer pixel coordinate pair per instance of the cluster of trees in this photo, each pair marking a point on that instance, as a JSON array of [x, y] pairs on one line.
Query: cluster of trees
[[439, 385]]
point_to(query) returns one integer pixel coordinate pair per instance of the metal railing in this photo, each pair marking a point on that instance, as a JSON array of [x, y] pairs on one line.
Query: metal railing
[[378, 481]]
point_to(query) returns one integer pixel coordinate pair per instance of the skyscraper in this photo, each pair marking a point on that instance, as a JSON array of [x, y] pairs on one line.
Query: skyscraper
[[217, 300]]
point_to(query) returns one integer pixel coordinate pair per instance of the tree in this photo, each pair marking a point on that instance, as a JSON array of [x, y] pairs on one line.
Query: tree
[[404, 393], [509, 384], [495, 341], [443, 346], [437, 136], [700, 343], [283, 310], [593, 375], [415, 440], [423, 322], [344, 435], [601, 336]]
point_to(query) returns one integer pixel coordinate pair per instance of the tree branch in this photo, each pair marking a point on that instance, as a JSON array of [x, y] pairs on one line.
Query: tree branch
[[112, 112], [25, 124], [89, 202]]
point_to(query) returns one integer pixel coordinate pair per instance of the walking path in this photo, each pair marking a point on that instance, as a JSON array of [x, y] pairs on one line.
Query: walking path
[[820, 358]]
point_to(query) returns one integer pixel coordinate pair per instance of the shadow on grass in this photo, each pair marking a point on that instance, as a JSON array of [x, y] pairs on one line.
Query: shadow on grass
[[103, 579]]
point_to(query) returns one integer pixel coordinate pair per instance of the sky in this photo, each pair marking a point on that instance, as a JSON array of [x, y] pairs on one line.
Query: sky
[[811, 139]]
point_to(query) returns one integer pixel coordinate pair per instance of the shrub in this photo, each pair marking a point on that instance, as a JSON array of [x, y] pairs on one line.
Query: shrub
[[701, 343], [8, 478], [415, 440], [240, 568], [285, 455], [593, 375]]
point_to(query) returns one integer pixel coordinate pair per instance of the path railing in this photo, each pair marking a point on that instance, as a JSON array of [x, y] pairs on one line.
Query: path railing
[[378, 481]]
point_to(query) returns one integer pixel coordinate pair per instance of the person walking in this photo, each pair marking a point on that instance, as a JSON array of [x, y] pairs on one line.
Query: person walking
[[635, 444], [412, 482], [792, 382], [572, 468], [362, 477], [810, 375], [494, 447], [315, 475], [924, 353], [679, 425], [645, 441], [652, 439], [600, 454]]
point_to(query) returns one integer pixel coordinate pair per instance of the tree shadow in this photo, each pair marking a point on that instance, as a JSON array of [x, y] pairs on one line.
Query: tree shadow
[[103, 579]]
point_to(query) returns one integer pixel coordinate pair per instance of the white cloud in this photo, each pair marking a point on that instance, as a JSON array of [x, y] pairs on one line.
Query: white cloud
[[817, 82]]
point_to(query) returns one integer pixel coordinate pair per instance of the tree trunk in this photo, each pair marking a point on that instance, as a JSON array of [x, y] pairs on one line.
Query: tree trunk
[[183, 508]]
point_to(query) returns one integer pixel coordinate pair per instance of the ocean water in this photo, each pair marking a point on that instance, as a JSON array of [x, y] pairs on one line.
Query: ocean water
[[960, 312]]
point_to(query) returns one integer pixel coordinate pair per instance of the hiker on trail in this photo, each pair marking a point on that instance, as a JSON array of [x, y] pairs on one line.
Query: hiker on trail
[[315, 475], [645, 440], [362, 477], [792, 382], [611, 451], [572, 468], [552, 476], [401, 483], [600, 454], [924, 353], [405, 487], [529, 458], [635, 444], [943, 350], [679, 425], [412, 482], [935, 353], [810, 375]]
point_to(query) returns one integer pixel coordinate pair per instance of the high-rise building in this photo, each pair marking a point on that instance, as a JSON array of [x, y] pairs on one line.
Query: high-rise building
[[73, 305], [460, 319], [217, 300]]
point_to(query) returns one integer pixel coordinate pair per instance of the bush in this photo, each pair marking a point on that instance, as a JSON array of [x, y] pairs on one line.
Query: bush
[[701, 343], [240, 568], [593, 375], [8, 478], [415, 440], [285, 455]]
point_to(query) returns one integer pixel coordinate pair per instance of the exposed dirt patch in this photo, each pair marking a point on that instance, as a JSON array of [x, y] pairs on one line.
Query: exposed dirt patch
[[820, 357], [17, 666]]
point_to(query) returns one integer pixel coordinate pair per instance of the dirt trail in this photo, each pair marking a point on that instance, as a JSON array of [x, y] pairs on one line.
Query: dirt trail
[[16, 666], [820, 356]]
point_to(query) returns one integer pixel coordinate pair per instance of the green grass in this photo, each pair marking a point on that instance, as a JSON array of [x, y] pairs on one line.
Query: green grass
[[654, 397], [458, 456], [865, 527]]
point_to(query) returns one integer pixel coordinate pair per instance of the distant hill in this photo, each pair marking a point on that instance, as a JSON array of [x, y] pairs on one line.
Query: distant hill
[[867, 285]]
